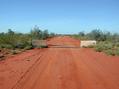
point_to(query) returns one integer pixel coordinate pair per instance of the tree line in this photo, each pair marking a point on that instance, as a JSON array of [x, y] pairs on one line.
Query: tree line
[[12, 40], [98, 35], [106, 41]]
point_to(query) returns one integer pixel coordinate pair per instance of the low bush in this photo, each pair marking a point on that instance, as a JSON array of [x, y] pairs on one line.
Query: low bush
[[117, 51], [107, 47], [7, 46], [110, 52], [101, 46], [117, 44]]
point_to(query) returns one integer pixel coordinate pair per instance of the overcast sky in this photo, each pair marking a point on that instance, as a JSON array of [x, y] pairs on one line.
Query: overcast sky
[[59, 16]]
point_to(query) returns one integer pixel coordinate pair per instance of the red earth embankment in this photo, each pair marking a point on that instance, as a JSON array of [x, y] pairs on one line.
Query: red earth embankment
[[60, 68]]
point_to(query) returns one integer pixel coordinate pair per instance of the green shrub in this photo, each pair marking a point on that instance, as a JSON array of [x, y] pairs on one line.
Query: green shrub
[[99, 48], [1, 46], [22, 45], [102, 46], [117, 44], [7, 46], [110, 52], [117, 51], [107, 47]]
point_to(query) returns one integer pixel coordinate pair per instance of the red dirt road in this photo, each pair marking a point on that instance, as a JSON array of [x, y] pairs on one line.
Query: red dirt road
[[60, 67]]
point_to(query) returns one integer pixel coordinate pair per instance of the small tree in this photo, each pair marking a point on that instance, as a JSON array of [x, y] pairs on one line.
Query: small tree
[[10, 32], [45, 34], [81, 34], [36, 33], [96, 34]]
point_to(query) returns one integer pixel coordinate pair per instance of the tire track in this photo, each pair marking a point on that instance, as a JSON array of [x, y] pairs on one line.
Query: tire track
[[30, 68], [32, 76]]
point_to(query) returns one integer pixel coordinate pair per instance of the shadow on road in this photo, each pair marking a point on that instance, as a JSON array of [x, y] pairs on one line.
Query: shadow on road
[[62, 46]]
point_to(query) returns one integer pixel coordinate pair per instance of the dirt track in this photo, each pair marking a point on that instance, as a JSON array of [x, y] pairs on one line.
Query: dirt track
[[62, 66]]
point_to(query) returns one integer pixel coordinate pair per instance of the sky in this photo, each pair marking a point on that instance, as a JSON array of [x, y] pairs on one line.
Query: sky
[[59, 16]]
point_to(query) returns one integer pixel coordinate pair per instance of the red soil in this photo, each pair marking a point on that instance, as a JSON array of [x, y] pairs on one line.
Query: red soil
[[60, 68]]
